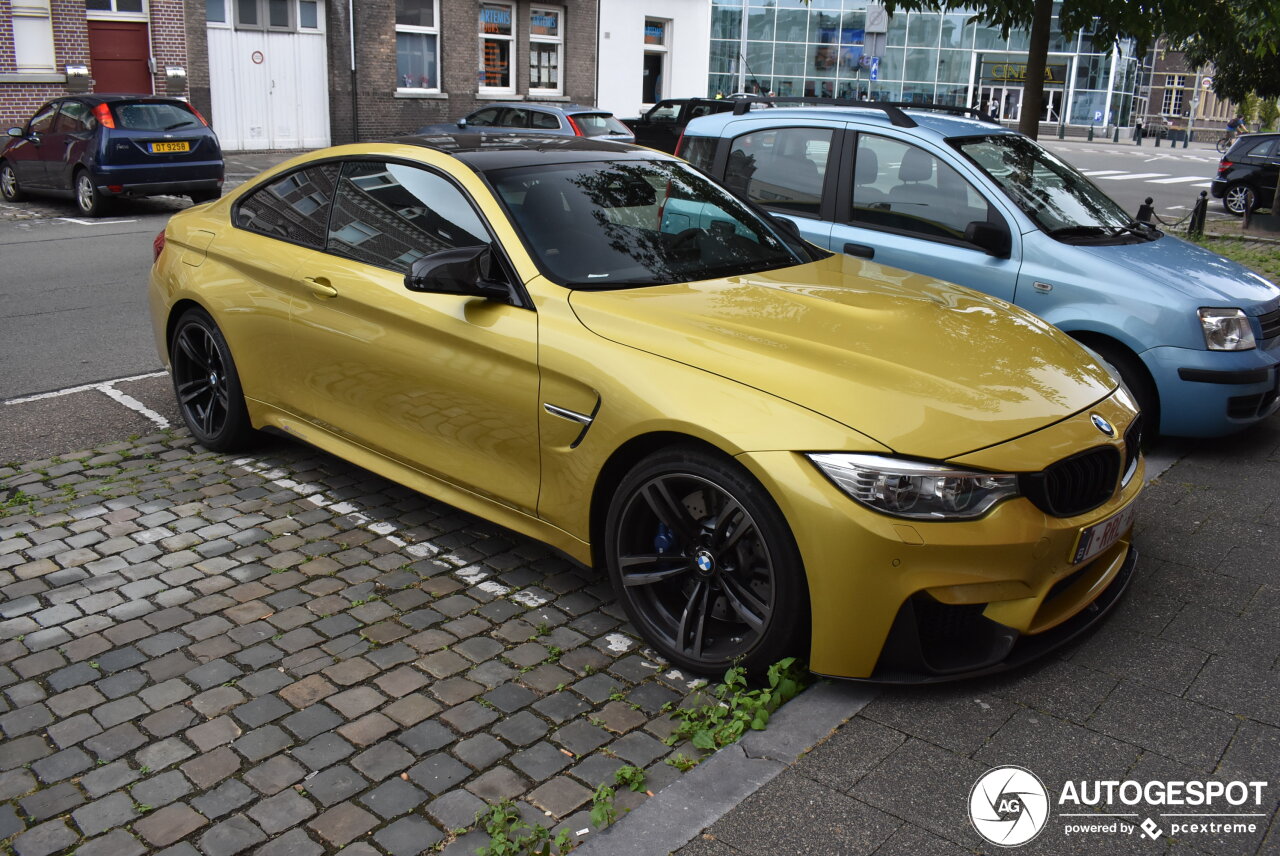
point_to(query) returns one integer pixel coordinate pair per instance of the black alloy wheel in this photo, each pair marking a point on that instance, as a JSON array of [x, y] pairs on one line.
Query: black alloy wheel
[[207, 384], [705, 564]]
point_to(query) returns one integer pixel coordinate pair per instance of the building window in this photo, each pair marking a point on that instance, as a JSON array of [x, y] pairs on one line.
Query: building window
[[32, 36], [215, 11], [268, 14], [546, 40], [115, 7], [497, 40], [418, 45]]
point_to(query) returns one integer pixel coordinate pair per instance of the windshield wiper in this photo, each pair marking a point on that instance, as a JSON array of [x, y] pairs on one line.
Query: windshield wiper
[[1080, 232], [1144, 230]]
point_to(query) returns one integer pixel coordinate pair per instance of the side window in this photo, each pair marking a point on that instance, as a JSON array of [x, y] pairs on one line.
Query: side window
[[484, 118], [544, 121], [390, 215], [665, 112], [75, 118], [515, 117], [699, 151], [42, 122], [781, 167], [293, 208], [903, 188]]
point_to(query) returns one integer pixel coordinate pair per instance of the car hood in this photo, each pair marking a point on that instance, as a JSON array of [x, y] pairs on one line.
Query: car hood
[[924, 367], [1204, 276]]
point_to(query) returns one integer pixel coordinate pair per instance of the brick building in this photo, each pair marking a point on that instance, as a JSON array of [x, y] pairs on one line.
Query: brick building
[[292, 74], [126, 45]]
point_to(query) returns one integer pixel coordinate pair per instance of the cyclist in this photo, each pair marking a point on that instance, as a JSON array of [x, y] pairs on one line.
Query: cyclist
[[1237, 126]]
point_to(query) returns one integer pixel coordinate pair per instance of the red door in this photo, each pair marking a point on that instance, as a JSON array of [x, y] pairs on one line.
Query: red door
[[118, 55]]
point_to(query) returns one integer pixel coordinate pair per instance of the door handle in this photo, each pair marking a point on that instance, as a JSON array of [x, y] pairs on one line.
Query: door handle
[[319, 286], [860, 250]]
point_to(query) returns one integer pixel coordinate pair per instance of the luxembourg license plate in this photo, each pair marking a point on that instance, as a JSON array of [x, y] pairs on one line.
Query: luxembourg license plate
[[165, 148], [1100, 536]]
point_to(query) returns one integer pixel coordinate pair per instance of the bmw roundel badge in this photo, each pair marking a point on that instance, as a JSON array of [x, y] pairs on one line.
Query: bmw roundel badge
[[1103, 425]]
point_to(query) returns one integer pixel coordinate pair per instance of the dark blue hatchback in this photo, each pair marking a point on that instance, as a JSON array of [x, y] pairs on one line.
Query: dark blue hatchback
[[93, 148]]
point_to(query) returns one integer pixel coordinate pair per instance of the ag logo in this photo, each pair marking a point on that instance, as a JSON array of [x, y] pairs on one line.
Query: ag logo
[[1008, 806]]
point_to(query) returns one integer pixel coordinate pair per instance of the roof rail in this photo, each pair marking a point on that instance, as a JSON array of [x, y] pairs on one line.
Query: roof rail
[[891, 109]]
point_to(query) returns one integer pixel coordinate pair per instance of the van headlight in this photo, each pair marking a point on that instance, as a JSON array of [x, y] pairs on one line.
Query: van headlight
[[915, 489], [1227, 330]]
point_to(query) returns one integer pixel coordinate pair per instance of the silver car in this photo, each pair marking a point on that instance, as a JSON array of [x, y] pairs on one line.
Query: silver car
[[569, 120]]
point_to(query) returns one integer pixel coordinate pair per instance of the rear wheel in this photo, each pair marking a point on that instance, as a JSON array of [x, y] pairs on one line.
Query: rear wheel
[[9, 188], [207, 384], [705, 564], [90, 202], [1238, 199]]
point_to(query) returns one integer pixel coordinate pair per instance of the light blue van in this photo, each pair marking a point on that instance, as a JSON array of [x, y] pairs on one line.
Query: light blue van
[[1195, 337]]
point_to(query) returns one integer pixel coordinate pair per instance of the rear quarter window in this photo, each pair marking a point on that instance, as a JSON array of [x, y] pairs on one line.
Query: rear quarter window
[[599, 124], [699, 151]]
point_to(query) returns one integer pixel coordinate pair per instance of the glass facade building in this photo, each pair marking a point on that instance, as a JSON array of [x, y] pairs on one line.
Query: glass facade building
[[823, 48]]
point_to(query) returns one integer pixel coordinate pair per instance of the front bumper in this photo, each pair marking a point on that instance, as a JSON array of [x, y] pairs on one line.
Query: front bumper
[[1214, 393], [1012, 568]]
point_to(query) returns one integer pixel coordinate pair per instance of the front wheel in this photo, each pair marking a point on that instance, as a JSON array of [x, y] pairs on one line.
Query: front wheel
[[705, 564], [88, 199], [207, 384], [1137, 380], [1238, 199], [1224, 144], [9, 188]]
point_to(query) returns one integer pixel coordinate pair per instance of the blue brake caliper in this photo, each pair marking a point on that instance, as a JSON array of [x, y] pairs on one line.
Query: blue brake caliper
[[663, 541]]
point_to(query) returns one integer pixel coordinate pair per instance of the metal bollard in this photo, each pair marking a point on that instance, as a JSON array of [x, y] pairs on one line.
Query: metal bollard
[[1116, 137], [1137, 137], [1195, 228], [1091, 132], [1146, 211]]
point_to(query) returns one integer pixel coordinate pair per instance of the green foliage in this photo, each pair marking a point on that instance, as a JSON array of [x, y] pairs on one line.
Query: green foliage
[[19, 498], [1268, 112], [735, 708], [1248, 107], [512, 835], [632, 777], [602, 811], [682, 762]]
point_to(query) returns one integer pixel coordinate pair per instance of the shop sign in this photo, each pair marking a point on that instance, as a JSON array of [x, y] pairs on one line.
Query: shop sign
[[1016, 72]]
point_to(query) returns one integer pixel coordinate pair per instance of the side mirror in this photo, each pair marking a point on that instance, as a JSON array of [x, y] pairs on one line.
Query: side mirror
[[462, 123], [788, 227], [15, 132], [992, 238], [462, 270]]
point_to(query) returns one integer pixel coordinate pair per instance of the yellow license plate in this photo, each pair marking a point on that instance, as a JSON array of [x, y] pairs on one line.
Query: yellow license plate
[[162, 148]]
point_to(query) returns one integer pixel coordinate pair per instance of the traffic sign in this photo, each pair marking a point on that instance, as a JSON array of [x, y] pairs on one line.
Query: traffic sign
[[875, 68], [1207, 83]]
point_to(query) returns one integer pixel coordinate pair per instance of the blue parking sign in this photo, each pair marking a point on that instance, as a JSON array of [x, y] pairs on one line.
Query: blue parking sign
[[875, 68]]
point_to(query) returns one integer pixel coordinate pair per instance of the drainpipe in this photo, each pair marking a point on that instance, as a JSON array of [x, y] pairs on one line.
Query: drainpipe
[[355, 97]]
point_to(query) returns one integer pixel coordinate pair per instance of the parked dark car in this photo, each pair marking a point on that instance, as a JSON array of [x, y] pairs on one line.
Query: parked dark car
[[94, 148], [566, 120], [661, 127], [1247, 173]]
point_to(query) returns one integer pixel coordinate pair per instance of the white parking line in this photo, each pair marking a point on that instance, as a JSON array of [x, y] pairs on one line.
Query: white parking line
[[1093, 172], [1133, 176], [107, 388], [1182, 179], [93, 222]]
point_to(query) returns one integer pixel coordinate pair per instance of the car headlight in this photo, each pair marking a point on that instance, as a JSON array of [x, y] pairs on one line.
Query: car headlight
[[914, 489], [1227, 330]]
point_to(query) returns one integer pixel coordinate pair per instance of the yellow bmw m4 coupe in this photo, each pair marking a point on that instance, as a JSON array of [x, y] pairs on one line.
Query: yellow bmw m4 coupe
[[770, 449]]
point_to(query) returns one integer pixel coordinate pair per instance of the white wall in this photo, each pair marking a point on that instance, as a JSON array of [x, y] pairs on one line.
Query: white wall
[[622, 48]]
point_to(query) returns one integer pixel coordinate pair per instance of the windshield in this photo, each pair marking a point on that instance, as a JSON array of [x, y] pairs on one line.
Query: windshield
[[628, 223], [1051, 192], [599, 124]]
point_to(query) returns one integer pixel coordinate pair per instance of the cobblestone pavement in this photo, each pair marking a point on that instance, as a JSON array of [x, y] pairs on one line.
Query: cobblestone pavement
[[1181, 683], [283, 653]]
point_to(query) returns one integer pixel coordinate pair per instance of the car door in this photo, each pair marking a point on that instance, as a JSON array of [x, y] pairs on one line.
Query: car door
[[787, 170], [905, 206], [445, 383], [1267, 158], [28, 153], [659, 127], [65, 145]]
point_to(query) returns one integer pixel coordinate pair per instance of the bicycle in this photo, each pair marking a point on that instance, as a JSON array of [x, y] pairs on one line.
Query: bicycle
[[1225, 142]]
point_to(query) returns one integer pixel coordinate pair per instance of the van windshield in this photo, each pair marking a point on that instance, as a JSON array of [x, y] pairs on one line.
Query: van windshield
[[1060, 200]]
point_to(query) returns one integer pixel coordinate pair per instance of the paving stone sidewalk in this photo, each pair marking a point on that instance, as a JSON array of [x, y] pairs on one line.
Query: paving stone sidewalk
[[1181, 683], [282, 653]]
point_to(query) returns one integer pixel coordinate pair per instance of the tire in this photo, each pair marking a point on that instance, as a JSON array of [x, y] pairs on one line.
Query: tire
[[1224, 143], [90, 202], [705, 564], [9, 188], [207, 385], [1137, 380], [205, 196], [1238, 198]]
